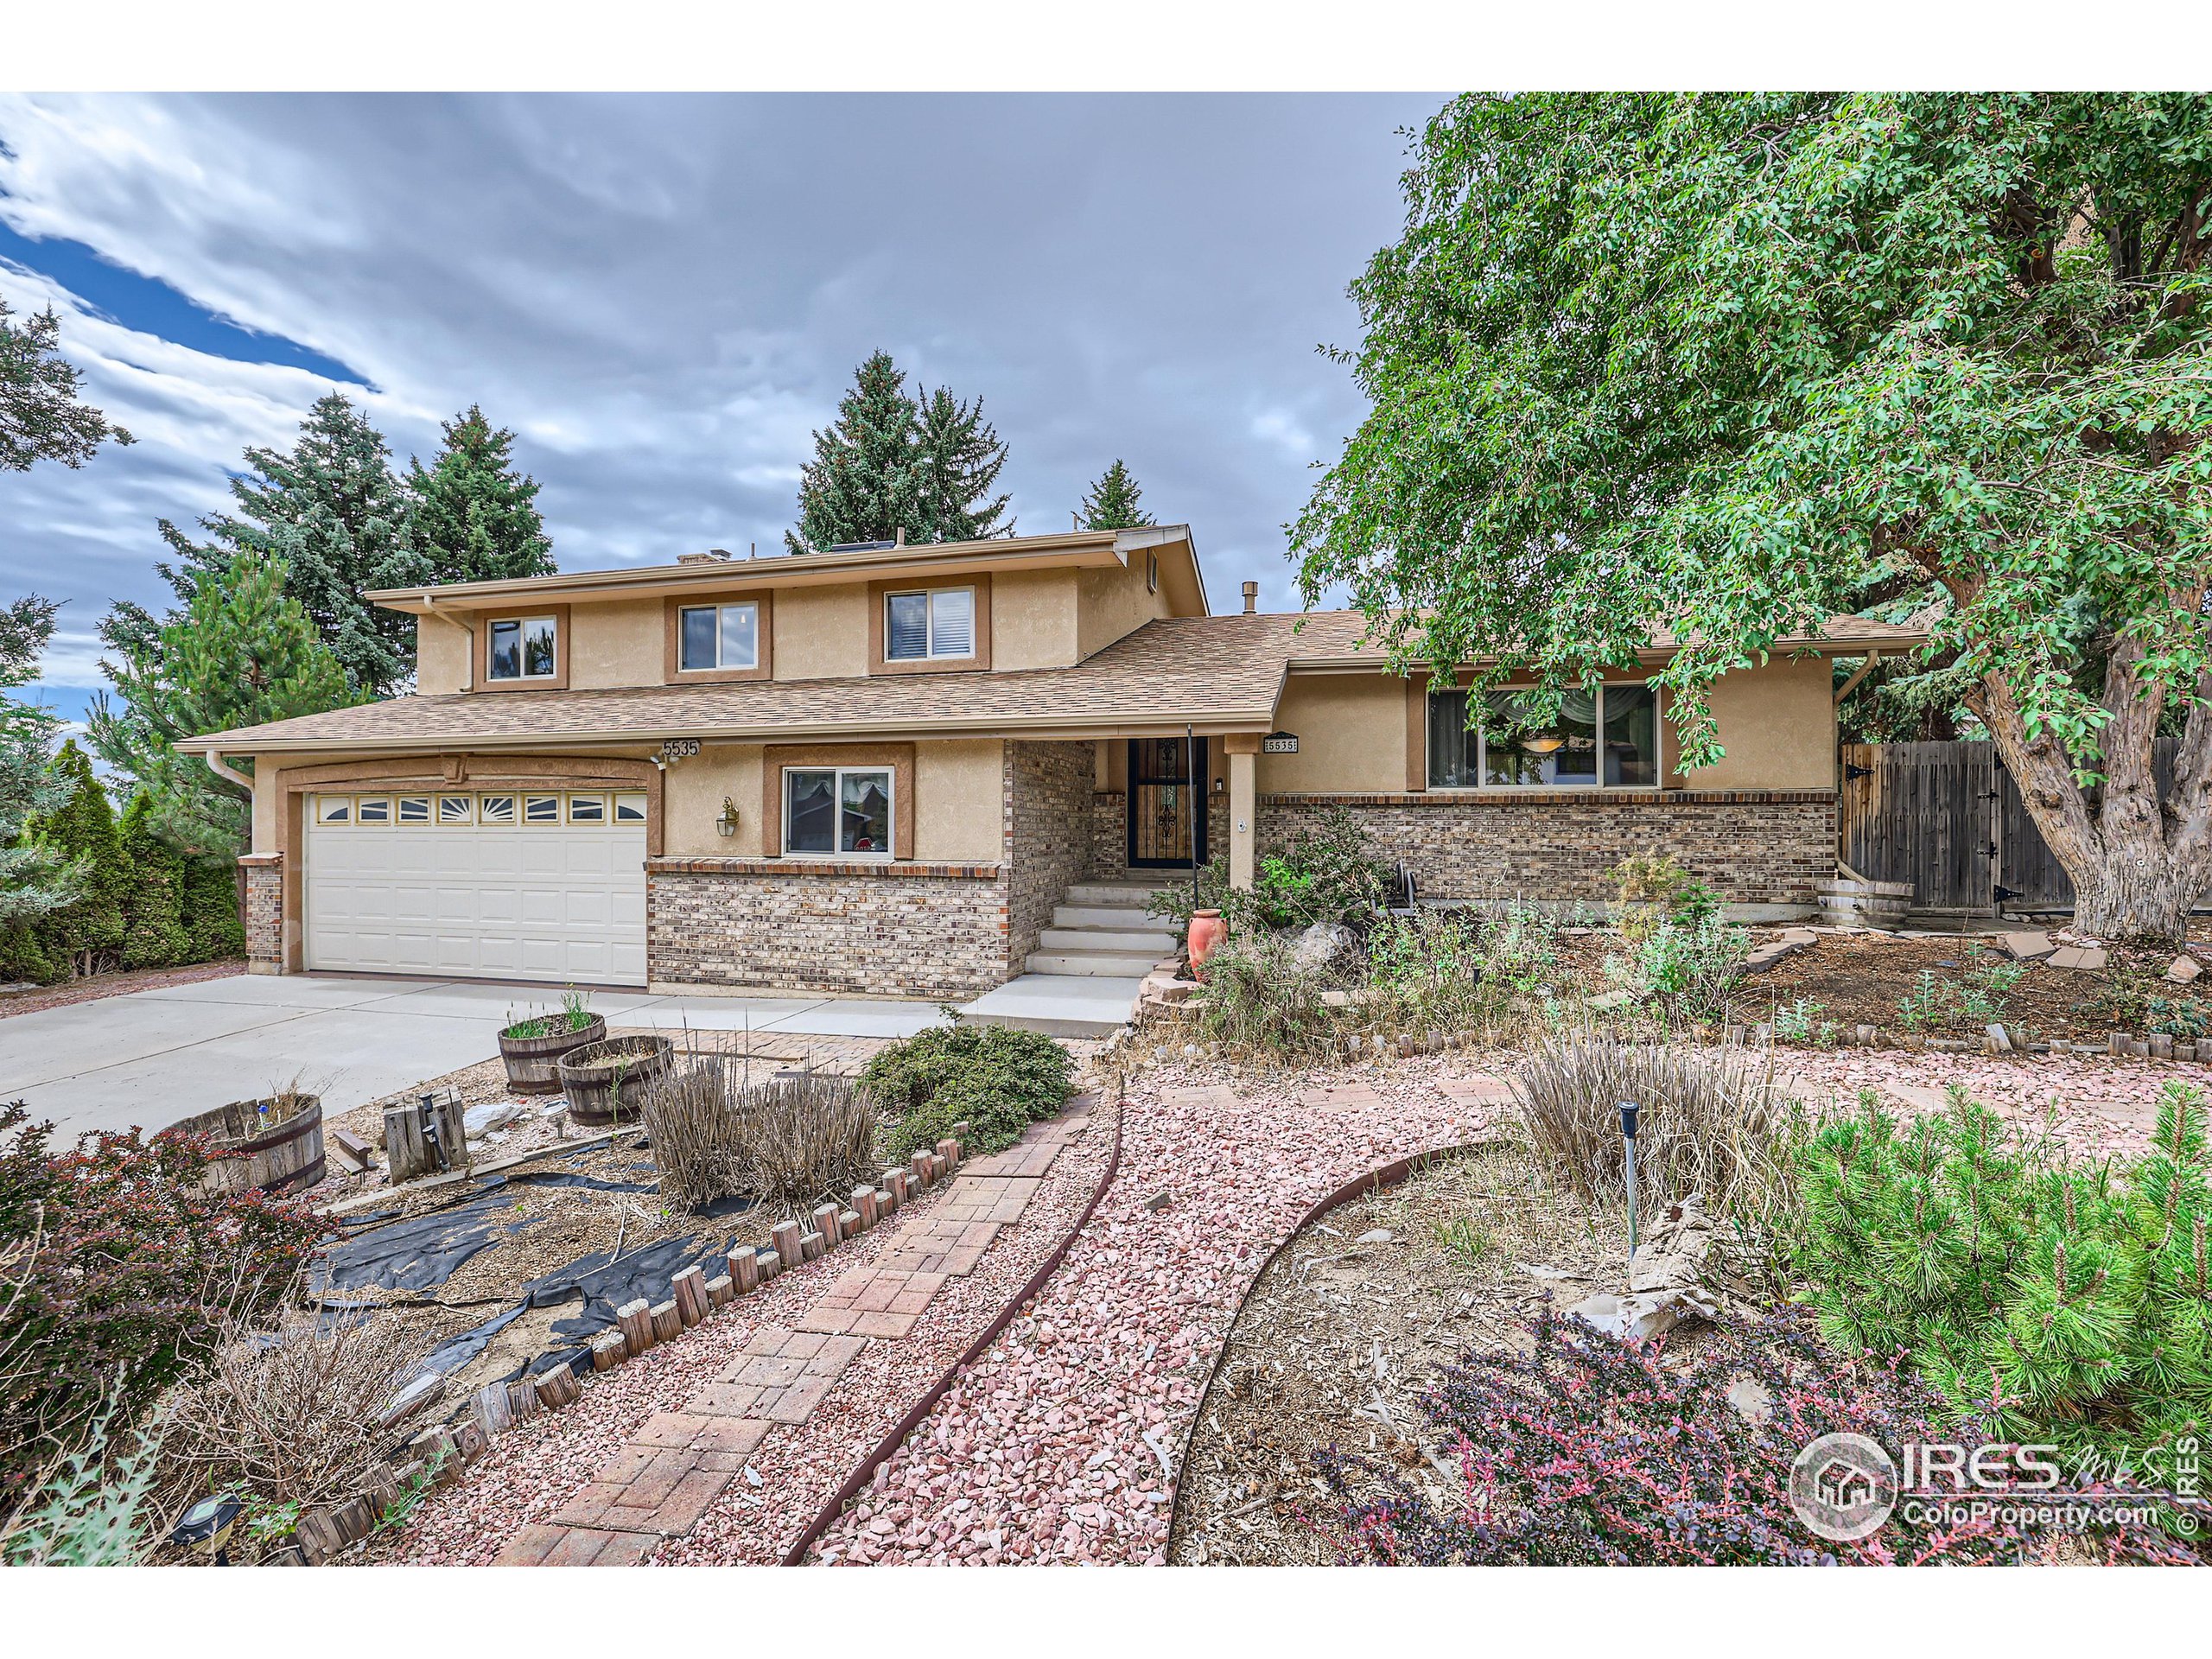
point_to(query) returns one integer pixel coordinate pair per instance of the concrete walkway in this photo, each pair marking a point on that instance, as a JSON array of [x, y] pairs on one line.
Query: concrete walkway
[[152, 1056]]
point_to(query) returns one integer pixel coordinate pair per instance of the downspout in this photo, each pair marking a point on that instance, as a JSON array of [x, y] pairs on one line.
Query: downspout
[[223, 769]]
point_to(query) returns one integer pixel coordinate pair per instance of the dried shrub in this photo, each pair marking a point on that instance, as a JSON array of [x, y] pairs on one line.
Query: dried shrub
[[997, 1080], [287, 1419], [1592, 1450], [1713, 1120], [118, 1269], [791, 1140], [1261, 1004]]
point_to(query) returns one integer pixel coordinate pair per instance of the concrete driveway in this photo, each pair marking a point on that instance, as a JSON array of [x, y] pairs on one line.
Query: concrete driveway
[[152, 1056]]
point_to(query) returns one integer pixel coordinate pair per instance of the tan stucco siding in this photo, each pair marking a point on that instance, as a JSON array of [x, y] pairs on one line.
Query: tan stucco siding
[[1112, 603], [1033, 619], [694, 792], [442, 648], [1777, 722], [1350, 730], [821, 632], [959, 801], [617, 644]]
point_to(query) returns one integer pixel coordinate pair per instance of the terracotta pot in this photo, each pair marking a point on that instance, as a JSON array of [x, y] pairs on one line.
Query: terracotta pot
[[1207, 931]]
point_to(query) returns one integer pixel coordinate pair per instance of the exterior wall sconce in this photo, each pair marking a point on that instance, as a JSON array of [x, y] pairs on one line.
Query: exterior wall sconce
[[726, 824]]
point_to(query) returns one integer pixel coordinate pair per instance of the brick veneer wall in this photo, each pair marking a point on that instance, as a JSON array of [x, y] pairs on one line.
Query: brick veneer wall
[[264, 911], [1048, 835], [887, 932], [1754, 846], [1109, 836]]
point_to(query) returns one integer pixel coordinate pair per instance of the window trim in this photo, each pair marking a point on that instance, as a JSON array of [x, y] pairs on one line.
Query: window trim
[[1425, 689], [979, 659], [557, 680], [780, 758], [672, 669], [838, 774]]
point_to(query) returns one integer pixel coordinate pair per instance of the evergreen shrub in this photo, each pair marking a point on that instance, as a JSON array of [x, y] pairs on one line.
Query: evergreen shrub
[[999, 1081]]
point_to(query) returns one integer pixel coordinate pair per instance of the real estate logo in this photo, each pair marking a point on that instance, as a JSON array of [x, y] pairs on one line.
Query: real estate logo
[[1843, 1487]]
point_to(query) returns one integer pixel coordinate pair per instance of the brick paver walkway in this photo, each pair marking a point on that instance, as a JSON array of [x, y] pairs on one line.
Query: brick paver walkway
[[680, 1461]]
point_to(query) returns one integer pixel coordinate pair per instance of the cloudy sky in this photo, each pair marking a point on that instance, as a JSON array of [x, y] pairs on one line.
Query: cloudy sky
[[663, 295]]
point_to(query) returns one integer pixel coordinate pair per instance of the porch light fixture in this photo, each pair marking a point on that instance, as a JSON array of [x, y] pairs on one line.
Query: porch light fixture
[[726, 824]]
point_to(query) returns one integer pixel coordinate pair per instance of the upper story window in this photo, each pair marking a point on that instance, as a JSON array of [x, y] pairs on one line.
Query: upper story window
[[717, 637], [1605, 735], [926, 626], [523, 648]]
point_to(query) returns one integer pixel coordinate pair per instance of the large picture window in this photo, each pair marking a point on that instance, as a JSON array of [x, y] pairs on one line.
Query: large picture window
[[717, 637], [1605, 735], [523, 648], [838, 812], [924, 626]]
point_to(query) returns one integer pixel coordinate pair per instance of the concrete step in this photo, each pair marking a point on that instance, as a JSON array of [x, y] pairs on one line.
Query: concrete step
[[1057, 1005], [1103, 915], [1116, 964], [1113, 893], [1106, 938]]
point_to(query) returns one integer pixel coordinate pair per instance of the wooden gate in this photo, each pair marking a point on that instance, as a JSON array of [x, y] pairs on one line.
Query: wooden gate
[[1949, 818]]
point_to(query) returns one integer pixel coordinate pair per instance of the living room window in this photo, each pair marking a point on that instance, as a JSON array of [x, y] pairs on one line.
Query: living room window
[[927, 626], [523, 648], [717, 637], [838, 812], [1604, 735]]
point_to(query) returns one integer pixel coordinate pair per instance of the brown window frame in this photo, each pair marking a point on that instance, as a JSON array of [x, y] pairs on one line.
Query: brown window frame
[[672, 669], [559, 679], [980, 661], [897, 758]]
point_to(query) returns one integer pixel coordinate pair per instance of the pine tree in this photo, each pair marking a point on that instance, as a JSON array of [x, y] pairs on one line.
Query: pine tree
[[475, 517], [961, 458], [331, 511], [153, 923], [33, 881], [1111, 503], [865, 483], [87, 933], [242, 653], [40, 418]]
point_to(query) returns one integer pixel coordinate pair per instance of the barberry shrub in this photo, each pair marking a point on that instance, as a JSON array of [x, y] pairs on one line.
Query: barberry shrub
[[117, 1270], [2069, 1302], [1593, 1449]]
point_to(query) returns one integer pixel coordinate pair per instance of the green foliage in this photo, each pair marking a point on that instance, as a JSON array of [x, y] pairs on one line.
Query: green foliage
[[242, 653], [1710, 367], [894, 463], [2072, 1304], [1327, 871], [214, 932], [2180, 1017], [93, 1509], [1802, 1022], [1654, 887], [40, 418], [153, 934], [1467, 1239], [574, 1014], [1113, 502], [1427, 971], [1979, 996], [999, 1081], [334, 522], [33, 882], [1260, 1004], [1687, 968], [476, 517], [78, 833]]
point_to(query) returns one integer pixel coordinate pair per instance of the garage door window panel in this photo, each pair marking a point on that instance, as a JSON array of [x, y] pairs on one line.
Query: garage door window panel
[[496, 808], [333, 809], [372, 808], [456, 809], [541, 809], [414, 809], [587, 809]]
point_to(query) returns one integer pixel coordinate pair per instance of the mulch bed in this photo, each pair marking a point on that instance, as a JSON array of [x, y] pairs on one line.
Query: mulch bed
[[93, 988]]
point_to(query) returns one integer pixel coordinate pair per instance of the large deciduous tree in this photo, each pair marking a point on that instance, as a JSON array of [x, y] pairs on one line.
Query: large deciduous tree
[[1714, 364], [41, 416], [476, 516]]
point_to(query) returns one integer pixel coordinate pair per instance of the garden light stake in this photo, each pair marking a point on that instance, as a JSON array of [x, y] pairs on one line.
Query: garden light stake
[[1628, 1145]]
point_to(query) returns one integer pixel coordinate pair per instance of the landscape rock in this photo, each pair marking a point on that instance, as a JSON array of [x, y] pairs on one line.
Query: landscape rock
[[1319, 945], [2026, 947], [2088, 958], [1610, 999], [2185, 970], [1665, 1279], [494, 1115]]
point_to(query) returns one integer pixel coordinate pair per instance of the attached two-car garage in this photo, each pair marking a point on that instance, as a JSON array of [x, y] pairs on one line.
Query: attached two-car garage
[[507, 884]]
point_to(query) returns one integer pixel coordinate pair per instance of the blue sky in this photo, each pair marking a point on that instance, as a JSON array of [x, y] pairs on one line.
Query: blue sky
[[663, 295]]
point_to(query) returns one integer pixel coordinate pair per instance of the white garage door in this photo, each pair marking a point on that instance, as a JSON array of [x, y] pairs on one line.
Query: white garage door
[[487, 885]]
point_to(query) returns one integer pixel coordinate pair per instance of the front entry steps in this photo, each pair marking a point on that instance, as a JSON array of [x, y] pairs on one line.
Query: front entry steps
[[1090, 965]]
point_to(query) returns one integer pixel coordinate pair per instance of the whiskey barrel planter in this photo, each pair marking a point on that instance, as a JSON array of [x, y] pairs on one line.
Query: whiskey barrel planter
[[278, 1158], [606, 1081], [534, 1063], [1866, 903]]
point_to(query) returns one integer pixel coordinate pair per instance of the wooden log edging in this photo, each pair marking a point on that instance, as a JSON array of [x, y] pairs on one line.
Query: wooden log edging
[[834, 1510], [1382, 1179]]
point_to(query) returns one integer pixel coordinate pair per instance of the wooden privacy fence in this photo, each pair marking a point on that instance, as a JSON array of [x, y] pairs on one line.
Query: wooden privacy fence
[[1949, 818]]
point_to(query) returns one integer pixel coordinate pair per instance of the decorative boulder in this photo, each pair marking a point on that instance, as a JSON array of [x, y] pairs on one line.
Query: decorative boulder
[[1319, 945]]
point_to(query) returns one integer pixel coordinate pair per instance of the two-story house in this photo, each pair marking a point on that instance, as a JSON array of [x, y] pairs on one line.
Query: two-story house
[[879, 769]]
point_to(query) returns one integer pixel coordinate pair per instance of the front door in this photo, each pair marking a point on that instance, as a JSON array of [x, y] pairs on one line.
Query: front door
[[1168, 803]]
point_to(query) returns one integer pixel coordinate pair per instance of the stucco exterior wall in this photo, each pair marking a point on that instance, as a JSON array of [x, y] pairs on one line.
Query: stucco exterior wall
[[957, 816], [821, 634], [1033, 618], [1777, 722], [1110, 603], [1352, 735], [621, 642], [695, 789], [442, 648]]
